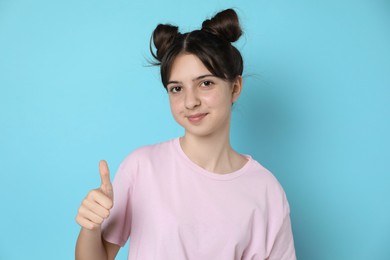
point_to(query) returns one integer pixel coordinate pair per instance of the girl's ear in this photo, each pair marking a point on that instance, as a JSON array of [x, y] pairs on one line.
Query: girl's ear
[[236, 88]]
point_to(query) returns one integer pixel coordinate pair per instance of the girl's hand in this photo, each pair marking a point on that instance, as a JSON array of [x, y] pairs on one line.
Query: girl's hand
[[96, 206]]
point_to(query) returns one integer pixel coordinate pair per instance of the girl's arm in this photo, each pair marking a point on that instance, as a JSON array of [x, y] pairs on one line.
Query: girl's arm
[[93, 210], [90, 245]]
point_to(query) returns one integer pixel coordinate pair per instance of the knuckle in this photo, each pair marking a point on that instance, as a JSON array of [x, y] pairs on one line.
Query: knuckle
[[90, 194], [94, 226], [106, 213], [88, 226], [84, 203], [80, 211]]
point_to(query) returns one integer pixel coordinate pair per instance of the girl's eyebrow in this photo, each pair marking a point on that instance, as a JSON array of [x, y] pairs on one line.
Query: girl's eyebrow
[[195, 79], [203, 76]]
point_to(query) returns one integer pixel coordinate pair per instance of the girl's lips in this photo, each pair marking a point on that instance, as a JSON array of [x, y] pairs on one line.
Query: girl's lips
[[196, 117]]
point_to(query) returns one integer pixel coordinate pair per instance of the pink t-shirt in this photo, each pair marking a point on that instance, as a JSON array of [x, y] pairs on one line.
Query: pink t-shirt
[[173, 209]]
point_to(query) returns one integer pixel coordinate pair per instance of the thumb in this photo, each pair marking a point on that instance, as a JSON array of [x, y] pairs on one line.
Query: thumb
[[106, 185]]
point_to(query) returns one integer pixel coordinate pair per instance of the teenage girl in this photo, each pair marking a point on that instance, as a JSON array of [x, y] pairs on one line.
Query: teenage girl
[[192, 197]]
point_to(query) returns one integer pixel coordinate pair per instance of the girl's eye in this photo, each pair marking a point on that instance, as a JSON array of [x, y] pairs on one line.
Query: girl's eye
[[207, 83], [175, 89]]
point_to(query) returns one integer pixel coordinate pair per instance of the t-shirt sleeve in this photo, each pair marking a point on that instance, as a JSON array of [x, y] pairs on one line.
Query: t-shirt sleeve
[[116, 228], [283, 246]]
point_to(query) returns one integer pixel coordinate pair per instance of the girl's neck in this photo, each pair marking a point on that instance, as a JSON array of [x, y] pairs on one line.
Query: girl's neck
[[212, 153]]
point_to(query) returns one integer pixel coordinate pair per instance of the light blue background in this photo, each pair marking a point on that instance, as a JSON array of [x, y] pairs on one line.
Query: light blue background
[[75, 88]]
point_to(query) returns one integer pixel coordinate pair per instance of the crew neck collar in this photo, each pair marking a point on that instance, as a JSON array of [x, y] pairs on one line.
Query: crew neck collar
[[212, 175]]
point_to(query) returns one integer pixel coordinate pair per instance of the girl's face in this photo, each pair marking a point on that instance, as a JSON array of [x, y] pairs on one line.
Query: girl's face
[[200, 102]]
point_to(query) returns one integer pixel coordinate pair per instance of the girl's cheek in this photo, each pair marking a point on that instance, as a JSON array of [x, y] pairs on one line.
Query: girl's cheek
[[213, 100], [175, 105]]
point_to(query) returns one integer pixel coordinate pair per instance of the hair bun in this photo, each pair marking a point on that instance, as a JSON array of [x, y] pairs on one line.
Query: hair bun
[[225, 25], [163, 37]]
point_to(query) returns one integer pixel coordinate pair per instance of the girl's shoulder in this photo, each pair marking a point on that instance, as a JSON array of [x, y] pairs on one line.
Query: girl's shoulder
[[150, 151]]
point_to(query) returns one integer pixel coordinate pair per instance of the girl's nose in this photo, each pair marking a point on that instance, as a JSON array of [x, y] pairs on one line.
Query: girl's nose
[[191, 100]]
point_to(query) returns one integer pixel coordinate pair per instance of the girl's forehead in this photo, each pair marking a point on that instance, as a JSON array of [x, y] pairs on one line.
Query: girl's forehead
[[188, 65]]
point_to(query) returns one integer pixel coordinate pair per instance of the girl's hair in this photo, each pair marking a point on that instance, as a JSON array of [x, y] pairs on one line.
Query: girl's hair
[[211, 44]]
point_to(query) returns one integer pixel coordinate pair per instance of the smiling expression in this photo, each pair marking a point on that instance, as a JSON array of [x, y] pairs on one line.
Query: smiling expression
[[199, 101]]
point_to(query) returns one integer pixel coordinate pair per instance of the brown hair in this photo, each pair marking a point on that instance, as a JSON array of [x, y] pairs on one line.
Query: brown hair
[[211, 44]]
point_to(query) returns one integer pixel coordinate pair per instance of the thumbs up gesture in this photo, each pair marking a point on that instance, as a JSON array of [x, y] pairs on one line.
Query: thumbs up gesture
[[97, 204]]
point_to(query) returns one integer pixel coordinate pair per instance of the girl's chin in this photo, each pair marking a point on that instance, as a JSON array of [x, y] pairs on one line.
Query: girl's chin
[[199, 132]]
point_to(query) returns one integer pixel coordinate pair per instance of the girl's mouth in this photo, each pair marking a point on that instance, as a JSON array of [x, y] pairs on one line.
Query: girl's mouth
[[196, 117]]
